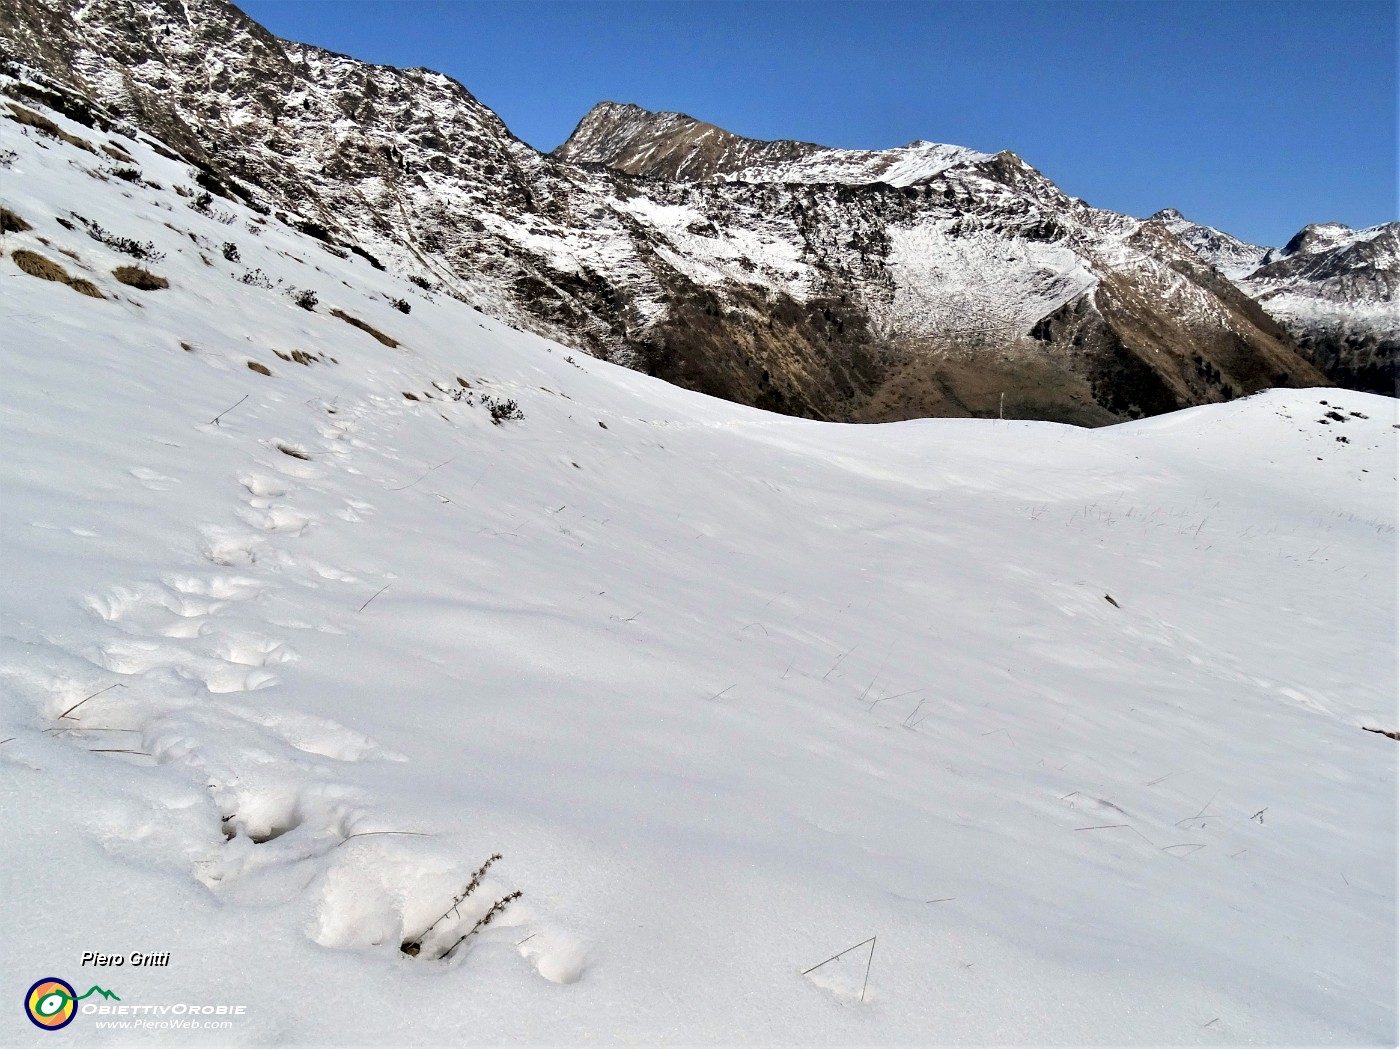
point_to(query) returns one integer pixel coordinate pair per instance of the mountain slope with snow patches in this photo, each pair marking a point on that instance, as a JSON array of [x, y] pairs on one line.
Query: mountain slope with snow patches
[[310, 609], [795, 296]]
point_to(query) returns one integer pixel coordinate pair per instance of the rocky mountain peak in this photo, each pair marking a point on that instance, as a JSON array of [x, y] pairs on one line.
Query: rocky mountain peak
[[1317, 237], [675, 146]]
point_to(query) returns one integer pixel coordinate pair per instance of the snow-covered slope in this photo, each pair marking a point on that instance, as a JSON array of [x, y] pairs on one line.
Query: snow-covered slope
[[803, 297], [1069, 721]]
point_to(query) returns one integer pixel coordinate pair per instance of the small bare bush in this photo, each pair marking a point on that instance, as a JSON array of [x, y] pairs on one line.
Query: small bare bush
[[139, 278], [362, 326]]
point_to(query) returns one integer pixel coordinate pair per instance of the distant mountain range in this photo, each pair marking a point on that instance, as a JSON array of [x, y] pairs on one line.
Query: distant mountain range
[[837, 284]]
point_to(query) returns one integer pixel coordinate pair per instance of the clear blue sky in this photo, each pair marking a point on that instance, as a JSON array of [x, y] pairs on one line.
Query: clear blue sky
[[1255, 117]]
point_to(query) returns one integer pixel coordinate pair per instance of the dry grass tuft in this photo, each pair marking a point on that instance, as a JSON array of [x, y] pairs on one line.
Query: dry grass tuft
[[411, 397], [117, 153], [36, 265], [10, 222], [386, 340], [295, 453], [258, 366], [136, 277], [44, 125]]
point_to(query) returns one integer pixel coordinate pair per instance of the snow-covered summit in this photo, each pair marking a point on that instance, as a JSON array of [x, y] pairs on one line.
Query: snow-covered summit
[[675, 146], [1230, 255]]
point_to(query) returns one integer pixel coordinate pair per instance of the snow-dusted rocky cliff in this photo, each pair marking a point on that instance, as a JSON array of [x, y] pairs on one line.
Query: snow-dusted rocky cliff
[[926, 280], [1336, 290]]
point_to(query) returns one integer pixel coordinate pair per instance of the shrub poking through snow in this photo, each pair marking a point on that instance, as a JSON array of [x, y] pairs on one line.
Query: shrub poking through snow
[[502, 411], [386, 340], [257, 279], [304, 297], [139, 278], [36, 265], [401, 305], [427, 945], [126, 245], [230, 251], [422, 282], [204, 205]]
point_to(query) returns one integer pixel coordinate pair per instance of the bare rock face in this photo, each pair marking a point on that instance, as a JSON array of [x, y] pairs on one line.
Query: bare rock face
[[834, 284]]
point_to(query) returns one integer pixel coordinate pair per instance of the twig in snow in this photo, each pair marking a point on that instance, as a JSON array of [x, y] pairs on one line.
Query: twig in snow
[[373, 596], [895, 696], [421, 476], [723, 691], [1210, 1022], [870, 941], [215, 420], [1103, 827], [80, 703], [363, 834], [485, 920], [1194, 847], [940, 900], [118, 751], [1109, 598], [754, 624], [1260, 815], [837, 664], [6, 740], [1198, 816]]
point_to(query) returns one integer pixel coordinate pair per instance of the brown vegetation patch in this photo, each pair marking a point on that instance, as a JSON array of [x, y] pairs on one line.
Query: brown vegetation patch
[[295, 453], [258, 366], [45, 126], [10, 222], [411, 397], [117, 153], [36, 265], [386, 340], [136, 277]]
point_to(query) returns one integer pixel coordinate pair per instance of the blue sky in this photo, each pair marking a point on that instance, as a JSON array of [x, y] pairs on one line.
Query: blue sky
[[1253, 117]]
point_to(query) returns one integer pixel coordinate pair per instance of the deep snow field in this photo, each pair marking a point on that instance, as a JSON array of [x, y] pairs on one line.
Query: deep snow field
[[730, 692]]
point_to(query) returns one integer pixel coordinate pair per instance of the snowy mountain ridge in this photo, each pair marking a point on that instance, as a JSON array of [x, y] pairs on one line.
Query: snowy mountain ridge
[[322, 587], [672, 145], [979, 290]]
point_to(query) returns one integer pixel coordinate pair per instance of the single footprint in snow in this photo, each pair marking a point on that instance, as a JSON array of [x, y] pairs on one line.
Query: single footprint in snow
[[224, 676], [318, 736], [557, 956], [223, 547], [252, 651], [277, 519], [219, 587], [262, 486], [330, 572], [153, 479]]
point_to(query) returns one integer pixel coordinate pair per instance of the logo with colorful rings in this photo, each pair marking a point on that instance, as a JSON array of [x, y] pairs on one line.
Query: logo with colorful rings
[[52, 1003]]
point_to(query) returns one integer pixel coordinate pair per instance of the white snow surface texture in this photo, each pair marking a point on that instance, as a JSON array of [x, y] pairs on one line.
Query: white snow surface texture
[[730, 692]]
